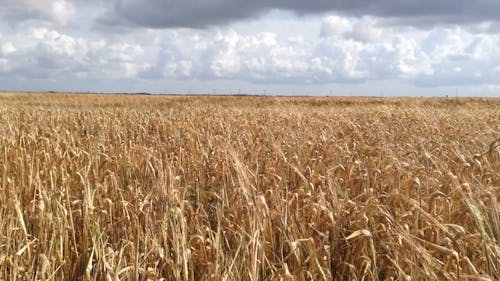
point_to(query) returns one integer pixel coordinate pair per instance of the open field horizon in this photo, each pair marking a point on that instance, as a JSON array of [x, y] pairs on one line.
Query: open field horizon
[[154, 187], [268, 94]]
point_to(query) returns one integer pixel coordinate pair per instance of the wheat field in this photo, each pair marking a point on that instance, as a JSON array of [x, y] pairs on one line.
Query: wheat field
[[121, 187]]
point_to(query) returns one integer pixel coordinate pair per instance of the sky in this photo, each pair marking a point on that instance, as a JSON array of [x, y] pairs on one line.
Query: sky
[[281, 47]]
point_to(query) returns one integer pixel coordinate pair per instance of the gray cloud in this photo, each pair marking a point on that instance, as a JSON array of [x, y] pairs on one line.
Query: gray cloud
[[199, 14]]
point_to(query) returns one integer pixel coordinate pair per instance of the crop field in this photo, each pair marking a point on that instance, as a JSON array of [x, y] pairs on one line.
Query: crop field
[[130, 187]]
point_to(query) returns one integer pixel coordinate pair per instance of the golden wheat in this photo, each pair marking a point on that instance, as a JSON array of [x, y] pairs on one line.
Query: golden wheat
[[116, 187]]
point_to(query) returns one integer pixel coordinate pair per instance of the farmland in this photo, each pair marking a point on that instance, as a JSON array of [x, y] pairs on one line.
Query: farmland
[[117, 187]]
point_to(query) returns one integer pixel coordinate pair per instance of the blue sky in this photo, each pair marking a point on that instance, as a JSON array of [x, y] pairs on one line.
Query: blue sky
[[318, 47]]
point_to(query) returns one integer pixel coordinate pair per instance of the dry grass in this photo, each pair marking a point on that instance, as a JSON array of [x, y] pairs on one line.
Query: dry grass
[[183, 188]]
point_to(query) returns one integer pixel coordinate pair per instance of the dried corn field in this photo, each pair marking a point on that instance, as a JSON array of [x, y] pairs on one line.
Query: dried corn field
[[109, 187]]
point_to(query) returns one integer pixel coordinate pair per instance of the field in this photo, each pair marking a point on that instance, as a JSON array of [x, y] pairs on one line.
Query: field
[[116, 187]]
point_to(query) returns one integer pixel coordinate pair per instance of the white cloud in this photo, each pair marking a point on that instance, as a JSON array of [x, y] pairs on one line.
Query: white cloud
[[44, 53], [411, 61], [4, 65], [7, 48], [361, 29], [335, 25], [57, 12], [415, 56], [260, 57], [62, 11]]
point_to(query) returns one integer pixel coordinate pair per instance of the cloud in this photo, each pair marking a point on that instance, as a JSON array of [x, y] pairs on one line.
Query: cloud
[[432, 58], [43, 53], [259, 58], [57, 12], [361, 29], [7, 48], [427, 58], [198, 14]]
